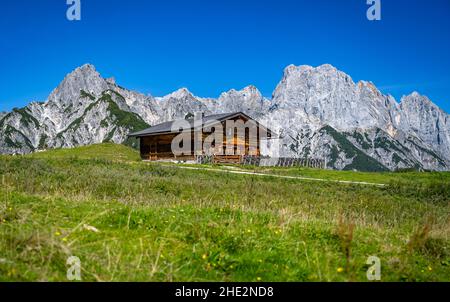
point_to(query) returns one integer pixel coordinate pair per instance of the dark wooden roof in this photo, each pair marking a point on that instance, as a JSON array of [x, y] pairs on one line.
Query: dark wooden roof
[[166, 127]]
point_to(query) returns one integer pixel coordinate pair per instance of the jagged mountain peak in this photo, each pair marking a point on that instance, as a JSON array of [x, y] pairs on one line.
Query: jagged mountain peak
[[181, 93], [251, 89], [307, 75], [306, 85], [370, 84], [84, 71], [423, 118], [248, 100], [327, 67], [248, 91], [180, 103], [84, 78], [369, 87], [87, 67], [415, 96], [324, 68], [418, 101]]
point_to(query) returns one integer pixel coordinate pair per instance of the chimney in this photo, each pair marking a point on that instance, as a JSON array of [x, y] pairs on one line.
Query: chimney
[[199, 115]]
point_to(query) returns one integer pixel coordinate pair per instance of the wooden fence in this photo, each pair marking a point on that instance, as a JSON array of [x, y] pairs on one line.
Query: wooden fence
[[284, 162], [265, 161]]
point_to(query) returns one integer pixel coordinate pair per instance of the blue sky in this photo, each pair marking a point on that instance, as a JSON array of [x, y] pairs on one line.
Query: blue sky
[[211, 46]]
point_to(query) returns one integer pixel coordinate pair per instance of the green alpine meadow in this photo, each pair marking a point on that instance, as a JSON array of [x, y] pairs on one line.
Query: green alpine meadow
[[129, 220]]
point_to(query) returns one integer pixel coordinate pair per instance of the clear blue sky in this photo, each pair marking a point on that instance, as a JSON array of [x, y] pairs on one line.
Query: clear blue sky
[[211, 46]]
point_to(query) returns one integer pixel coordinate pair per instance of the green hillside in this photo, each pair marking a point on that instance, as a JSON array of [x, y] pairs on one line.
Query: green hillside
[[106, 152], [132, 221]]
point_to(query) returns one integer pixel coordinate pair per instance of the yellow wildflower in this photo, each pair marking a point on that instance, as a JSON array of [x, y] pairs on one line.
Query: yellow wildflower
[[12, 272], [340, 270]]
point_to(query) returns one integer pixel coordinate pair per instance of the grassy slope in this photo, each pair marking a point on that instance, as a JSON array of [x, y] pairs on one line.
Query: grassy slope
[[107, 151], [160, 223]]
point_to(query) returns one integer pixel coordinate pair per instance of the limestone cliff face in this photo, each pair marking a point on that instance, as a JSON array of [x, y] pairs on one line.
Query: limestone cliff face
[[423, 119], [413, 133], [319, 112]]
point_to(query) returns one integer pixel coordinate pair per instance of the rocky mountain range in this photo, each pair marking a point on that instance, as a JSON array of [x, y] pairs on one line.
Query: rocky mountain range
[[318, 112]]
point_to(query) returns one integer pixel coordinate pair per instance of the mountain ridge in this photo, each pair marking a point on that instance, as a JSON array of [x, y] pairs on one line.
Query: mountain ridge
[[86, 108]]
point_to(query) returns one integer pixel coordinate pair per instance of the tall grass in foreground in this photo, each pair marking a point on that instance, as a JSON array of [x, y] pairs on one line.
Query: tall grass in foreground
[[131, 221]]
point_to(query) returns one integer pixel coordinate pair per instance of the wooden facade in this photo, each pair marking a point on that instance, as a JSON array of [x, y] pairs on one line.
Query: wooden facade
[[157, 147], [235, 144]]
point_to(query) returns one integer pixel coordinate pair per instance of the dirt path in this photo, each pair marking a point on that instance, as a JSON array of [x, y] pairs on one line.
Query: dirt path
[[242, 172]]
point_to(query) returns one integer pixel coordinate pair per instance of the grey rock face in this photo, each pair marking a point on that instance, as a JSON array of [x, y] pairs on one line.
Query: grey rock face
[[248, 100], [318, 112], [144, 106], [179, 104], [420, 117], [324, 95], [309, 98], [19, 130], [84, 78]]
